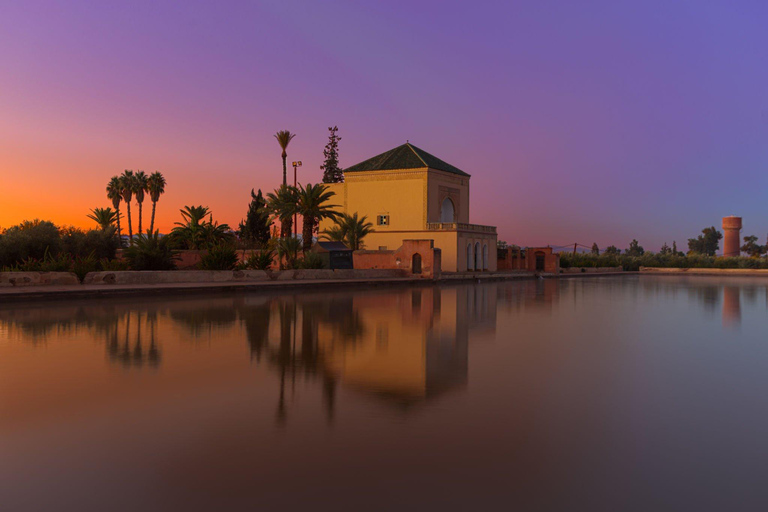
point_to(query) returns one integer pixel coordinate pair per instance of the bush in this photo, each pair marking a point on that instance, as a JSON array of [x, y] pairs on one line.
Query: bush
[[30, 239], [262, 260], [113, 265], [311, 260], [150, 252], [649, 259], [81, 265], [101, 243], [219, 257]]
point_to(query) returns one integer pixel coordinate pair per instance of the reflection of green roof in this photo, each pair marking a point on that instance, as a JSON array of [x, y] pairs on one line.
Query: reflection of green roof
[[406, 156]]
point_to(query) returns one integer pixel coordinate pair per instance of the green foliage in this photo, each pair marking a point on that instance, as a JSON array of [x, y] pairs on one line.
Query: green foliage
[[287, 252], [219, 257], [332, 173], [101, 243], [707, 243], [113, 265], [311, 260], [634, 249], [752, 248], [81, 265], [254, 230], [104, 217], [30, 239], [350, 230], [649, 259], [312, 205], [282, 204], [284, 137], [261, 260], [150, 252], [611, 250], [196, 233], [595, 249]]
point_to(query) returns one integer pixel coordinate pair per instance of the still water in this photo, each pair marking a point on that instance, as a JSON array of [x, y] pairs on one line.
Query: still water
[[624, 393]]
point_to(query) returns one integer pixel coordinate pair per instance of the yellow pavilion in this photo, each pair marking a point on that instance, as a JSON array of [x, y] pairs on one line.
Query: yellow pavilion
[[409, 194]]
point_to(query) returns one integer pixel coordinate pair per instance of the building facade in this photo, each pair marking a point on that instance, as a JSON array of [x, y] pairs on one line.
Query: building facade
[[409, 194]]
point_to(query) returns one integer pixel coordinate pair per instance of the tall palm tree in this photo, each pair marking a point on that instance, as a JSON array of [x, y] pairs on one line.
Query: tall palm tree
[[284, 138], [115, 194], [156, 189], [104, 217], [282, 204], [141, 185], [311, 204], [349, 229], [126, 190]]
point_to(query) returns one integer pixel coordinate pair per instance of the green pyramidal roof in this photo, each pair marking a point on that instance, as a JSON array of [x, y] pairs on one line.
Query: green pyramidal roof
[[406, 156]]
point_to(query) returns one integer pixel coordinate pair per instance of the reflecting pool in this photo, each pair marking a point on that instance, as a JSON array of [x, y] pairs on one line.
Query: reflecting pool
[[620, 393]]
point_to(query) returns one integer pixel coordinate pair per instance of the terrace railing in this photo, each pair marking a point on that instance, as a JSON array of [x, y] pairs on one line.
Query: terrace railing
[[458, 226]]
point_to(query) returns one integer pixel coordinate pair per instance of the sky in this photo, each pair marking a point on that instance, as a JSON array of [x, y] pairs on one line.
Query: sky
[[578, 121]]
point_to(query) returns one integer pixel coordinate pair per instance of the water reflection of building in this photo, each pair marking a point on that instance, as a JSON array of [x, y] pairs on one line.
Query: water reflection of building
[[731, 306], [404, 345], [412, 345]]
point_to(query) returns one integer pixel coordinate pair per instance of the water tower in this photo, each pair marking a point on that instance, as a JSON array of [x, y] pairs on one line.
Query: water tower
[[731, 236]]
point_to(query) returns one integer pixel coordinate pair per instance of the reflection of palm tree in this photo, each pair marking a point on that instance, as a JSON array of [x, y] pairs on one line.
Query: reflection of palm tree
[[153, 354], [256, 322]]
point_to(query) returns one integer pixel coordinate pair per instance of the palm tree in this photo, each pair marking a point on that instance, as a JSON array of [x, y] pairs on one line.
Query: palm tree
[[115, 194], [126, 191], [349, 229], [156, 188], [197, 233], [312, 205], [282, 204], [104, 217], [284, 138], [141, 184]]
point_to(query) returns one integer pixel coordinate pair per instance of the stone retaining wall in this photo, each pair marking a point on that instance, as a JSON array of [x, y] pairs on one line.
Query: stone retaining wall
[[226, 276], [8, 279], [590, 270], [707, 271]]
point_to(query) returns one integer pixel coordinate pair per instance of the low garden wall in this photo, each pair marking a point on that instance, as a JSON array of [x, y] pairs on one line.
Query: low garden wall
[[707, 271], [8, 279], [590, 270]]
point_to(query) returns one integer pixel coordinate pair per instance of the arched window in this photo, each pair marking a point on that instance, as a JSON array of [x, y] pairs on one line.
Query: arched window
[[478, 256], [470, 263], [485, 257], [447, 211]]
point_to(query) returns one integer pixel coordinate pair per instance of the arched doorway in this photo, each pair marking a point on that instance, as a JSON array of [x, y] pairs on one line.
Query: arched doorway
[[539, 261], [470, 263], [485, 257], [478, 256], [416, 264], [447, 211]]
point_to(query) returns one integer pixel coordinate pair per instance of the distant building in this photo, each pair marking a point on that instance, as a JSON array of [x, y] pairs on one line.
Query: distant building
[[731, 236], [410, 194]]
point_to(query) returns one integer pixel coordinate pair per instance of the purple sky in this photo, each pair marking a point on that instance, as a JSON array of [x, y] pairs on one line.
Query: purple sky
[[579, 121]]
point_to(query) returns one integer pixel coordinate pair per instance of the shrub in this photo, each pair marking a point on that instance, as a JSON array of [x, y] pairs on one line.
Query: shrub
[[219, 257], [81, 265], [30, 239], [261, 260], [311, 260], [113, 265], [150, 252], [101, 243]]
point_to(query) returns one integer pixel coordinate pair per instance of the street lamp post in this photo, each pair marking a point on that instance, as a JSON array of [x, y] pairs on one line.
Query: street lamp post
[[296, 165]]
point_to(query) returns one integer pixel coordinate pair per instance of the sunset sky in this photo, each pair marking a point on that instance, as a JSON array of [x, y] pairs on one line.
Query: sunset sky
[[579, 121]]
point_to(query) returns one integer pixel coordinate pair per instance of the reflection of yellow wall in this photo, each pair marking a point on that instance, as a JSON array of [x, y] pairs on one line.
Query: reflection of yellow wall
[[391, 355]]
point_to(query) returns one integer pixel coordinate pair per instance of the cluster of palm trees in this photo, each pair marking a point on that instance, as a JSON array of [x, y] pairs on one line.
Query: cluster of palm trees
[[310, 202], [125, 188]]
